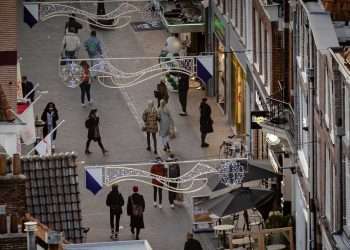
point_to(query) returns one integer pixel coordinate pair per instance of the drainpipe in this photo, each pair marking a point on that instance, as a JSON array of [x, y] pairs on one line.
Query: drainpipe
[[30, 228]]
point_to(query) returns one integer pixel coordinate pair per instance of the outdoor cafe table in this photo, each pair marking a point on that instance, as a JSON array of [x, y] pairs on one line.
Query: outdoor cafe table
[[242, 241], [276, 247], [224, 228]]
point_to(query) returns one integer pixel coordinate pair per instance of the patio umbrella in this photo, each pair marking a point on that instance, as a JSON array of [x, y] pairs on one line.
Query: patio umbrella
[[237, 200], [255, 170]]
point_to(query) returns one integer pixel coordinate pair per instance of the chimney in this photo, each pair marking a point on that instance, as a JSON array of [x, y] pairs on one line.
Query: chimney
[[30, 228], [16, 164], [3, 163]]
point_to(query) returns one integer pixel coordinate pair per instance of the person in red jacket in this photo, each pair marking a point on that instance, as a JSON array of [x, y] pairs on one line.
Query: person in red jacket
[[158, 169]]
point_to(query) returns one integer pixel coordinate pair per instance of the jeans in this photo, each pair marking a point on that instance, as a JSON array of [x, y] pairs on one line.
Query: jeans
[[85, 90], [172, 195], [116, 216], [99, 143], [154, 136], [70, 54], [159, 190]]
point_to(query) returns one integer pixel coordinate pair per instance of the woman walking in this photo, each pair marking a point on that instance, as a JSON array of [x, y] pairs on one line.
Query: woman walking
[[166, 125], [85, 83], [50, 117], [135, 209], [92, 124], [150, 118], [162, 92], [206, 123]]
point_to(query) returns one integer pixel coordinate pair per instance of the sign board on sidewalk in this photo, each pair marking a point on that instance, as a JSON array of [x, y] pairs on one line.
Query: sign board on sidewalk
[[201, 222], [147, 25]]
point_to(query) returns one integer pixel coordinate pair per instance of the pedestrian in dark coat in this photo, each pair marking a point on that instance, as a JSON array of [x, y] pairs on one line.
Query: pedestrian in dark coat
[[135, 209], [150, 118], [92, 124], [192, 244], [85, 85], [183, 91], [158, 169], [115, 202], [162, 92], [173, 172], [50, 117], [206, 123], [27, 87], [72, 25]]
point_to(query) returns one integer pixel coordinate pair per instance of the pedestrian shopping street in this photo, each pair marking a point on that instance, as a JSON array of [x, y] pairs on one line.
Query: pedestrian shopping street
[[120, 112]]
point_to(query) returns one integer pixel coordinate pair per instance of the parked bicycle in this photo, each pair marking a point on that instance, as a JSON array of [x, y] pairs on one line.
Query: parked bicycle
[[232, 147]]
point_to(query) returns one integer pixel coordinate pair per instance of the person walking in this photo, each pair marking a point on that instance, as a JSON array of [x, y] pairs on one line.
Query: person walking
[[27, 87], [50, 118], [173, 172], [93, 47], [166, 125], [85, 85], [158, 169], [192, 244], [150, 118], [135, 209], [115, 202], [92, 124], [72, 25], [183, 88], [162, 92], [206, 123], [70, 44]]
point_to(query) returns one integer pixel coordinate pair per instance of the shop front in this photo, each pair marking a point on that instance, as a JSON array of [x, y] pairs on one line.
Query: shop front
[[220, 65], [238, 100]]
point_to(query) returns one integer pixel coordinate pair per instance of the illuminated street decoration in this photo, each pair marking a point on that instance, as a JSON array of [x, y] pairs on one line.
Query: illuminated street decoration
[[230, 171], [110, 76], [120, 15]]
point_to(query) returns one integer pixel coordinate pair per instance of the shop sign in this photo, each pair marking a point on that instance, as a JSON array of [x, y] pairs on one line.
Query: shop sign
[[219, 27]]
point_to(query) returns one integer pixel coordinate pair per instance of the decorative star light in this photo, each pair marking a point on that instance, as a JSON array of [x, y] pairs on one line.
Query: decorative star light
[[231, 172], [71, 74]]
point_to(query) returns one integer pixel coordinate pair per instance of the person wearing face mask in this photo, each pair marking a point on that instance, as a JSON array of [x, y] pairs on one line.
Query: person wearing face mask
[[50, 117], [92, 124]]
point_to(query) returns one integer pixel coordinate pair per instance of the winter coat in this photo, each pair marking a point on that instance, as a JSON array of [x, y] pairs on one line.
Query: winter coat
[[193, 244], [54, 123], [73, 26], [184, 84], [150, 119], [174, 171], [165, 123], [206, 123], [93, 130], [71, 42], [115, 201], [26, 88], [136, 221], [93, 47], [158, 169], [163, 92]]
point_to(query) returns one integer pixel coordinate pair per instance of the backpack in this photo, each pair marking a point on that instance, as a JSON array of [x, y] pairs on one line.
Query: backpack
[[91, 47], [136, 209]]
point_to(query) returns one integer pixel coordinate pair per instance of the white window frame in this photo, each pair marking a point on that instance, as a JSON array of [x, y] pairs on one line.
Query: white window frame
[[328, 185]]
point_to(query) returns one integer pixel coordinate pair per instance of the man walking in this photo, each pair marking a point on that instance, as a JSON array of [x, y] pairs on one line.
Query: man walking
[[182, 91], [192, 244], [93, 47], [173, 172], [71, 44], [135, 209], [157, 169], [115, 202], [27, 88]]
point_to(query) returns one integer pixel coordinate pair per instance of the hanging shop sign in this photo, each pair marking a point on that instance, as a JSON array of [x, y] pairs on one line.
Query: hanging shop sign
[[238, 95], [258, 117], [219, 28]]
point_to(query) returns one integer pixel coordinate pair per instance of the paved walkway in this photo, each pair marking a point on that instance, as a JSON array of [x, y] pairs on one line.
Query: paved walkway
[[122, 136]]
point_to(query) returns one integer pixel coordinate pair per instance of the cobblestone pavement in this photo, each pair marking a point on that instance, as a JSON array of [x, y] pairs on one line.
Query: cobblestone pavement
[[121, 134]]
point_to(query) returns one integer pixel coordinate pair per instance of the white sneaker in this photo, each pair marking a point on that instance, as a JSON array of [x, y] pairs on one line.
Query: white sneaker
[[155, 204], [160, 205], [90, 102], [83, 104], [172, 206]]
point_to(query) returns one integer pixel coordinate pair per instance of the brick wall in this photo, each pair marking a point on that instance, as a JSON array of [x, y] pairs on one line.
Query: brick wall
[[8, 49], [339, 9], [13, 242], [277, 58], [12, 189]]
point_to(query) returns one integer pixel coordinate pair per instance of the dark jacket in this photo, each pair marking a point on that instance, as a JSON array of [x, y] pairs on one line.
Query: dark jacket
[[206, 123], [174, 171], [26, 88], [72, 26], [54, 123], [193, 244], [183, 84], [138, 200], [115, 201], [158, 169], [93, 130]]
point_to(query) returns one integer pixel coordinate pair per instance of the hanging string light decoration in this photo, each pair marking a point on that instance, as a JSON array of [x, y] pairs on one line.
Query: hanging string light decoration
[[231, 172], [71, 74]]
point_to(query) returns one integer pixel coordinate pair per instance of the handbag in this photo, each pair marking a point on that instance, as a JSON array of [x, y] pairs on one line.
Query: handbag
[[156, 94]]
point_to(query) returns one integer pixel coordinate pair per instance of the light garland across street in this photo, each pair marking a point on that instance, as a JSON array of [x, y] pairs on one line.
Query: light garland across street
[[230, 172]]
